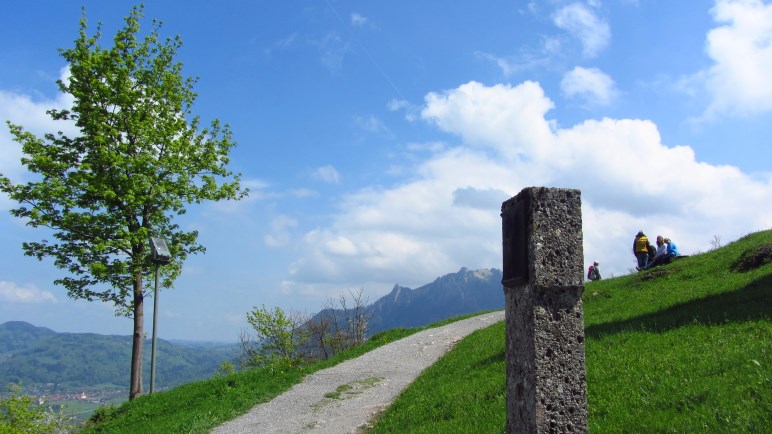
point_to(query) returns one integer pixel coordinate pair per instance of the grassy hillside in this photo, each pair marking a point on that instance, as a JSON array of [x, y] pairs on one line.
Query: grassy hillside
[[682, 348]]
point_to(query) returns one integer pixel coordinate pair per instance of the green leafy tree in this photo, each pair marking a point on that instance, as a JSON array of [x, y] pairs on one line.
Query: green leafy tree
[[138, 160], [20, 414], [278, 340]]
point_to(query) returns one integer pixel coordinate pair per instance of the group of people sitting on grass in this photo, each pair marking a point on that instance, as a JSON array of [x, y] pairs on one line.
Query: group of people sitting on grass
[[649, 256]]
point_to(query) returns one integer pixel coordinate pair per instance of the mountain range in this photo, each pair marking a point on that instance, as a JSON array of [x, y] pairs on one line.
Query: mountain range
[[464, 292]]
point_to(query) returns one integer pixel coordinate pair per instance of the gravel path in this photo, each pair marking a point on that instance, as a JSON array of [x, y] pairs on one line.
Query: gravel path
[[342, 399]]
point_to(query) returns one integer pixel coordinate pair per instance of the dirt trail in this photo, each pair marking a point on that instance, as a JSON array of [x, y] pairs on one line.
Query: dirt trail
[[343, 398]]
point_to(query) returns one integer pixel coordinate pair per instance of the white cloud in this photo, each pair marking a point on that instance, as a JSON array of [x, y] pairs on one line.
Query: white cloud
[[256, 186], [447, 215], [341, 245], [333, 50], [258, 191], [12, 293], [525, 59], [302, 193], [430, 147], [532, 7], [283, 44], [411, 111], [358, 20], [512, 65], [327, 174], [739, 81], [397, 104], [592, 84], [484, 199], [582, 23], [513, 117], [372, 124], [280, 231], [417, 230]]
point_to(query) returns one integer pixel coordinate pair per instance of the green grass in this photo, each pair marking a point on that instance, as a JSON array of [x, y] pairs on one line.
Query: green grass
[[680, 348], [198, 407], [692, 378], [463, 393]]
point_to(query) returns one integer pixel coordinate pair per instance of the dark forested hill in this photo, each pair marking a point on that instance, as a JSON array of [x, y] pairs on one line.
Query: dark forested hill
[[37, 355], [18, 334]]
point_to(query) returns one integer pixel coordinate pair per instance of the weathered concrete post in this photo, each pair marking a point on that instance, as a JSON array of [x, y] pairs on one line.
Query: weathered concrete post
[[543, 284]]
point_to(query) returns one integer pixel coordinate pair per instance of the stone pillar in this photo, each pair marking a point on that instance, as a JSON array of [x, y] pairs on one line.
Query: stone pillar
[[543, 284]]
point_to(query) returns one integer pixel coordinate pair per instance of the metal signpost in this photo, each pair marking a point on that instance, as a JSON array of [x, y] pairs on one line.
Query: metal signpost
[[160, 256]]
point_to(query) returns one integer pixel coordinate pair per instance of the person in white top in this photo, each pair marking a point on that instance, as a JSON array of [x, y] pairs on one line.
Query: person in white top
[[661, 254]]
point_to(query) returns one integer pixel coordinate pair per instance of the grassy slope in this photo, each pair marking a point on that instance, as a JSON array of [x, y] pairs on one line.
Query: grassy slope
[[682, 348]]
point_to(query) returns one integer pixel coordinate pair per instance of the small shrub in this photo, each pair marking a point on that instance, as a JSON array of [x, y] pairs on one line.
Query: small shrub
[[102, 414], [224, 369]]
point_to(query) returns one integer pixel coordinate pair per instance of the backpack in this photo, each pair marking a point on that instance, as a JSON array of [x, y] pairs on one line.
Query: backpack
[[589, 273]]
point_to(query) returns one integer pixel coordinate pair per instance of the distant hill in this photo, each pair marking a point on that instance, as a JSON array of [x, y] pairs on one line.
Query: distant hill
[[15, 335], [464, 292], [37, 355]]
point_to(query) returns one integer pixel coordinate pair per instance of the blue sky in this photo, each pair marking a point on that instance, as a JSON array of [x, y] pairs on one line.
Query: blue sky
[[379, 139]]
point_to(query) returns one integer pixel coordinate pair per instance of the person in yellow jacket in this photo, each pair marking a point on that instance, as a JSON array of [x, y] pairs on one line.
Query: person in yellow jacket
[[641, 250]]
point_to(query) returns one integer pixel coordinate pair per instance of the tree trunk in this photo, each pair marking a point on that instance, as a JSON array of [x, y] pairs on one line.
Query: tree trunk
[[135, 389]]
